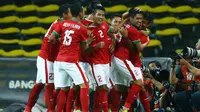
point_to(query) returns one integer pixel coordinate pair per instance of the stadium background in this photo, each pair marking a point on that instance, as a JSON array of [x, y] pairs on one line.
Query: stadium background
[[24, 22]]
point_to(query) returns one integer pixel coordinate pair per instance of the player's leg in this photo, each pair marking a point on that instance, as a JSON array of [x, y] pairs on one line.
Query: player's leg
[[145, 100], [130, 72], [100, 96], [49, 86], [121, 84], [78, 75], [37, 88], [70, 100], [63, 81], [136, 86]]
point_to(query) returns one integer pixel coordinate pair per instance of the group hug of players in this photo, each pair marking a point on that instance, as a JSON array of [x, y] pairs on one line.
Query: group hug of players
[[82, 56]]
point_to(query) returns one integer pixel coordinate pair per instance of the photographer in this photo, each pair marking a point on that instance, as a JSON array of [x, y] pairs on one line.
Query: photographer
[[162, 90], [186, 80], [192, 96]]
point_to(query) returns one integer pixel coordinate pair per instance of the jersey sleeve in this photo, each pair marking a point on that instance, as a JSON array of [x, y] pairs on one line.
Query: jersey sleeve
[[134, 35], [83, 34], [58, 29]]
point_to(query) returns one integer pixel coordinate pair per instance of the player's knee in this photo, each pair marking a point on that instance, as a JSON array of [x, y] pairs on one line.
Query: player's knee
[[76, 88], [119, 88], [101, 87], [65, 88], [83, 85]]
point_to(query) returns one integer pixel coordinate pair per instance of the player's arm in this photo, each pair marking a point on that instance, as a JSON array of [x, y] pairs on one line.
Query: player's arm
[[115, 29], [55, 33], [53, 37], [135, 38]]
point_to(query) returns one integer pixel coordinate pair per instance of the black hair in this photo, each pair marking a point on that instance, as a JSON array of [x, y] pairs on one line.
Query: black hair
[[91, 7], [76, 8], [99, 8], [158, 65], [148, 16], [132, 12], [115, 15], [63, 9]]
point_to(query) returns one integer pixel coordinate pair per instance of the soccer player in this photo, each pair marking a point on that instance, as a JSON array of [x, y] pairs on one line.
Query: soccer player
[[91, 7], [122, 57], [100, 57], [137, 21], [135, 57], [45, 61], [77, 13], [115, 93], [70, 71]]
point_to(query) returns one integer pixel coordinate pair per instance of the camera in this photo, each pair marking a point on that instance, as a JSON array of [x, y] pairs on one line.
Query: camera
[[190, 52], [187, 52]]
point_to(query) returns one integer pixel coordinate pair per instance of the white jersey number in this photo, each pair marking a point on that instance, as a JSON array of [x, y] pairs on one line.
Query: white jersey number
[[67, 38], [101, 33]]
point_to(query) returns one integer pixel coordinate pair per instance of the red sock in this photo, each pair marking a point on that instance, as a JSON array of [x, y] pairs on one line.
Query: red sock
[[144, 100], [110, 98], [49, 97], [132, 95], [115, 101], [61, 100], [96, 102], [103, 100], [34, 94], [77, 102], [55, 95], [70, 100], [84, 98], [124, 96]]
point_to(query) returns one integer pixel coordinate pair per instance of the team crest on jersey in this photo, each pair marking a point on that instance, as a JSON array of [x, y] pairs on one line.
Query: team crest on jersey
[[103, 27]]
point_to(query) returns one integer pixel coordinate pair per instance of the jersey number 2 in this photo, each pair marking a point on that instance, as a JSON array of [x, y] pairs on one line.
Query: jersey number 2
[[101, 33], [67, 38]]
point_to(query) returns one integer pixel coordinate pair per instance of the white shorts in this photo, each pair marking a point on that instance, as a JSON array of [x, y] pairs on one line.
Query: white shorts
[[101, 74], [124, 71], [68, 73], [45, 71], [88, 71]]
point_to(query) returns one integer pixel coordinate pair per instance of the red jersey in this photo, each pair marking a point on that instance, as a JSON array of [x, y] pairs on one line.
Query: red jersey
[[135, 58], [100, 56], [51, 52], [135, 37], [86, 22], [84, 56], [72, 34], [122, 51]]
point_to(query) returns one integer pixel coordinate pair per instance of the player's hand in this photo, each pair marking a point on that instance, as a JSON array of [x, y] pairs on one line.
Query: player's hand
[[91, 37], [145, 33], [123, 31], [100, 45], [111, 48]]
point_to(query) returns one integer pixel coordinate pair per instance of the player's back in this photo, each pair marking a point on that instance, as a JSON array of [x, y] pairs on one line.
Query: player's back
[[51, 52], [72, 33], [100, 56]]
